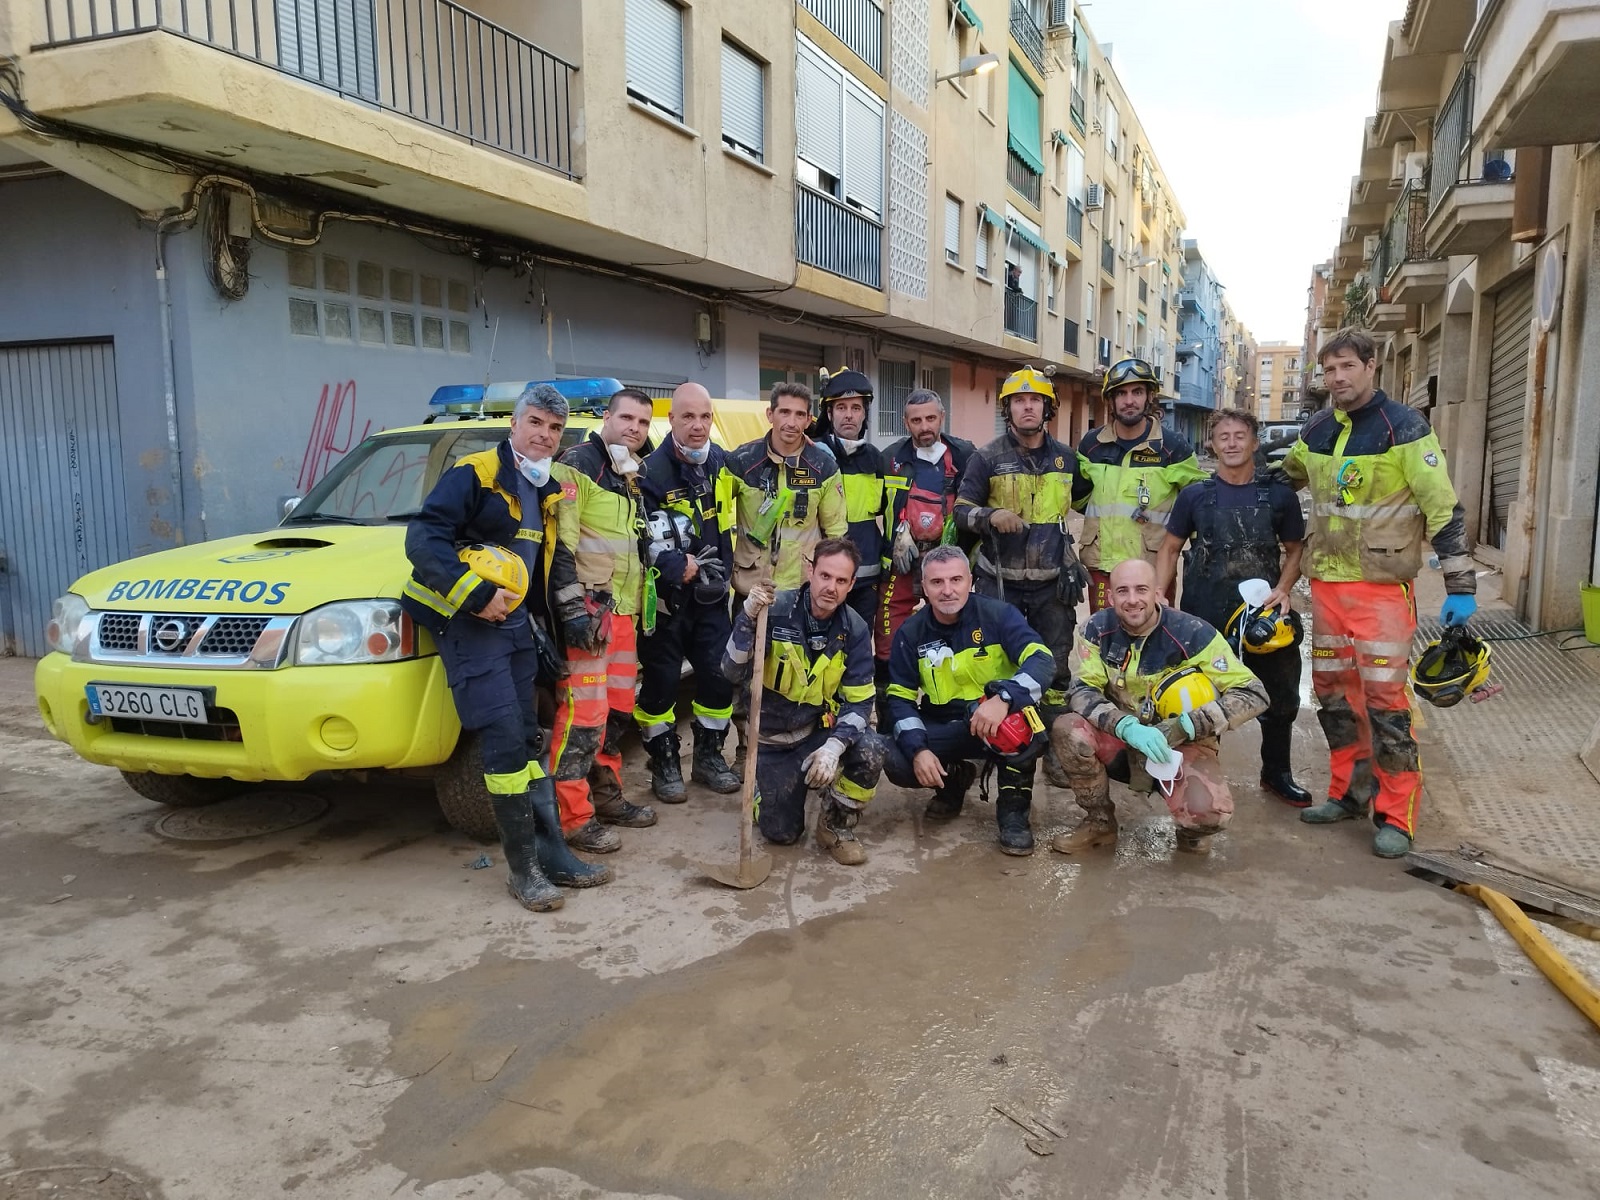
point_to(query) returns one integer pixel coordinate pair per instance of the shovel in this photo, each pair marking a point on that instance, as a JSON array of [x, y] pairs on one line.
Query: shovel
[[752, 869]]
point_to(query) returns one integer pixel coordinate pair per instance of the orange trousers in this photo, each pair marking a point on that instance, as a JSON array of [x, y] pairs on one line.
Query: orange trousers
[[1360, 667], [596, 685]]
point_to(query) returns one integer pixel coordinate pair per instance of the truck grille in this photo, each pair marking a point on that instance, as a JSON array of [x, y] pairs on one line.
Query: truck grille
[[190, 640], [222, 725], [233, 635], [120, 631]]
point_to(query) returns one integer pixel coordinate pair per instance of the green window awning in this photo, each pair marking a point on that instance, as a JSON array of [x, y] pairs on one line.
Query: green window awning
[[1022, 119], [992, 217], [967, 15], [1058, 137], [1023, 233]]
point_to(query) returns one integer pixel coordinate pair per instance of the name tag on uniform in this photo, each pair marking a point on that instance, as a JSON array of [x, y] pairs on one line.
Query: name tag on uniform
[[802, 479], [1145, 458]]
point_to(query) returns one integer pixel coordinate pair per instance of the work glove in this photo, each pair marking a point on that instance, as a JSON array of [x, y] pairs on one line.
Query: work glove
[[1144, 739], [905, 553], [822, 764], [711, 582], [759, 598], [1003, 520], [1206, 721], [583, 633], [1458, 606]]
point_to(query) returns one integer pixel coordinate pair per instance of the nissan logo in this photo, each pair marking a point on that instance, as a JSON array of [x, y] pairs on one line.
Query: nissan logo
[[170, 635]]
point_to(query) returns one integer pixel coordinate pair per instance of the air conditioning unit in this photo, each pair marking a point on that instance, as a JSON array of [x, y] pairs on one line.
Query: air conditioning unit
[[1397, 164], [1416, 168], [1369, 245], [1096, 196], [1060, 15]]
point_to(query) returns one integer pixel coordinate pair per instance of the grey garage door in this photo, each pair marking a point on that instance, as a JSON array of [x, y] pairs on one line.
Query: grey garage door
[[1508, 401]]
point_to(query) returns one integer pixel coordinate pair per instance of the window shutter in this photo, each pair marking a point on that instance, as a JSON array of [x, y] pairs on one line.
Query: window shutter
[[654, 37], [952, 229], [743, 101], [863, 149], [981, 255], [819, 117]]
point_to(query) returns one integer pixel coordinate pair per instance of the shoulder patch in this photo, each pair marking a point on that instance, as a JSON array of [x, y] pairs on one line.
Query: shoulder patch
[[1431, 459], [1220, 664], [569, 491]]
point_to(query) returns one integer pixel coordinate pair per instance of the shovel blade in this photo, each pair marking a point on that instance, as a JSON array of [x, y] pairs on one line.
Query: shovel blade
[[744, 875]]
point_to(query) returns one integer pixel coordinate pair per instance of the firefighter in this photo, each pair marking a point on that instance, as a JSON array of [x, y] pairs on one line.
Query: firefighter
[[488, 635], [1379, 487], [961, 665], [1131, 469], [1241, 525], [843, 428], [688, 498], [921, 473], [1015, 496], [604, 524], [817, 680], [1151, 678]]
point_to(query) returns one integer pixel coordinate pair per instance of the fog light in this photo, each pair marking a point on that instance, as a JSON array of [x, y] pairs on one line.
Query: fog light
[[337, 734]]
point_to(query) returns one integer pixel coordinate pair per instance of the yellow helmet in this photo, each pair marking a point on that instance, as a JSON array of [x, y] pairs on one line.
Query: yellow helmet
[[1027, 380], [1452, 667], [1171, 690], [499, 566], [1258, 630]]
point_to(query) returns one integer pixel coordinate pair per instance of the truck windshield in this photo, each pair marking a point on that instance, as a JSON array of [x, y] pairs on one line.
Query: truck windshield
[[388, 476]]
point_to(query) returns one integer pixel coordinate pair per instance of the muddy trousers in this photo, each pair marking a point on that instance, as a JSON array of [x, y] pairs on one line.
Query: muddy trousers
[[781, 781], [1041, 606], [952, 742], [491, 668], [1360, 663], [1200, 800], [1279, 672], [697, 632], [596, 685]]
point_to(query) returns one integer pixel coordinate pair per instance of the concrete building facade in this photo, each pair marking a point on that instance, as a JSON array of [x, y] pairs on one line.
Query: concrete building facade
[[1278, 381]]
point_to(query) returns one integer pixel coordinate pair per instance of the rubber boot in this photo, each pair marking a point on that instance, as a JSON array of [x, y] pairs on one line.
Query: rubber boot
[[1011, 808], [560, 865], [1391, 842], [710, 768], [1280, 782], [514, 816], [836, 833], [1193, 841], [945, 804], [1334, 808], [666, 775], [611, 807], [1099, 825]]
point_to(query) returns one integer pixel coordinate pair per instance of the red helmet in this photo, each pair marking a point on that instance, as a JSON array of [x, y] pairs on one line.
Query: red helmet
[[1020, 739]]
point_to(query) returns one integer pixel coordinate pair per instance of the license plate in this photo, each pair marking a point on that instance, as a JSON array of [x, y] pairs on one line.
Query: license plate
[[187, 706]]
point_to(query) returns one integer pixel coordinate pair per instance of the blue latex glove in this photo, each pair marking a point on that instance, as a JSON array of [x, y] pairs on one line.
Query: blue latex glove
[[1457, 608], [1146, 739], [1187, 724]]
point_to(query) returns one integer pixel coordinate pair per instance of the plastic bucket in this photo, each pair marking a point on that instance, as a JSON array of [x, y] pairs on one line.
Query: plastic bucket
[[1589, 594]]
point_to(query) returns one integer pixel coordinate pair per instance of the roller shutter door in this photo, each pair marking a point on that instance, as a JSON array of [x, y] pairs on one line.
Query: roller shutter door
[[1508, 389]]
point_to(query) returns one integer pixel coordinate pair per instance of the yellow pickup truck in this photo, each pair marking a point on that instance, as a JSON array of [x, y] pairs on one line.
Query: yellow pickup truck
[[278, 655]]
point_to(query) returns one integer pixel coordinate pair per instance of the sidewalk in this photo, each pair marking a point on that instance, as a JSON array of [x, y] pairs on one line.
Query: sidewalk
[[1504, 775]]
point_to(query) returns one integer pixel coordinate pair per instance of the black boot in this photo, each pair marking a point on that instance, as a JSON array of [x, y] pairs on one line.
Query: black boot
[[710, 768], [559, 863], [519, 842], [1012, 807], [611, 807], [1280, 782], [666, 776], [945, 804]]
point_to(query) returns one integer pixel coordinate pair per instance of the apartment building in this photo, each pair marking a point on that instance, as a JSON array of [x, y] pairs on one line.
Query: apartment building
[[1204, 345], [1278, 381], [239, 237], [1472, 234], [1318, 293]]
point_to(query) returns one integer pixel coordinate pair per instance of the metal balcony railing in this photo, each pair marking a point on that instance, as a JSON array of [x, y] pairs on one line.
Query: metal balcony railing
[[1023, 178], [856, 23], [1108, 258], [1075, 221], [1103, 353], [1457, 158], [1022, 316], [1069, 337], [1026, 33], [430, 60], [837, 238], [1402, 239]]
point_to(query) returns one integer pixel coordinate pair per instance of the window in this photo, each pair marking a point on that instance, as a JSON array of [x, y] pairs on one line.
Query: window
[[1113, 133], [981, 250], [952, 230], [1024, 128], [327, 311], [1075, 192], [839, 133], [985, 84], [1051, 295], [1090, 301], [653, 33], [744, 108]]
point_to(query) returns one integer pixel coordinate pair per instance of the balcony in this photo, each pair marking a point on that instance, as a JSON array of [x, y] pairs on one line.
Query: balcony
[[856, 23], [1108, 260], [1022, 316], [1078, 111], [430, 60], [1469, 190], [1069, 337], [1409, 274], [1075, 222], [1024, 180], [1026, 33], [1389, 318], [1102, 354], [1537, 62], [836, 238]]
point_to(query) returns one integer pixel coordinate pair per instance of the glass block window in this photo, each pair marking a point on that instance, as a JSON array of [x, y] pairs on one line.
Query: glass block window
[[395, 309]]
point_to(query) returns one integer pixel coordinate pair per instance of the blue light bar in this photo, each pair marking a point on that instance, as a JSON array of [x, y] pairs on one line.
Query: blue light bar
[[457, 393], [598, 388]]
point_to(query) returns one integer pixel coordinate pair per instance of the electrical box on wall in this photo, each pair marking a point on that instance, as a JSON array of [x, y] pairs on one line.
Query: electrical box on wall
[[702, 328]]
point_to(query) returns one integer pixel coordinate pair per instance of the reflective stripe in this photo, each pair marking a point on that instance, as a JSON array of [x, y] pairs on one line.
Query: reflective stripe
[[737, 655], [426, 595], [1456, 563], [1384, 649], [1024, 574], [708, 715], [868, 570], [512, 783], [1028, 684], [909, 723], [1325, 666], [847, 787], [462, 589], [662, 718], [854, 693], [535, 770], [1110, 510], [1330, 641], [1365, 512], [901, 692], [854, 720], [590, 544], [1382, 674]]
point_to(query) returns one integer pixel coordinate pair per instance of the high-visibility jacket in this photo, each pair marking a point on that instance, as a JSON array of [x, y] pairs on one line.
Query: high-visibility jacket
[[697, 500], [1118, 670], [818, 510], [609, 521], [1378, 487], [937, 672], [1037, 485], [924, 490], [861, 476], [1119, 486], [817, 669]]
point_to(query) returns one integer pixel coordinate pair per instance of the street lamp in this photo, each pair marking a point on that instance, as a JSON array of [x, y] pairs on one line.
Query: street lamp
[[972, 64]]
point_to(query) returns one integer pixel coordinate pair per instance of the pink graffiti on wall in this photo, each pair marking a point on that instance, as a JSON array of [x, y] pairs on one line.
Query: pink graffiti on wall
[[333, 432]]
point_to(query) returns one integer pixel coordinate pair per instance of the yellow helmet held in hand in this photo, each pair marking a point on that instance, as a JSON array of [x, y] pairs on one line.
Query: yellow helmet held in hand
[[1173, 688], [499, 566], [1454, 666], [1258, 630]]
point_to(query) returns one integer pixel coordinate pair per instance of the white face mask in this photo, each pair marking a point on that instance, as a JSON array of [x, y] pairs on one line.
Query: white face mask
[[622, 459], [850, 447], [690, 454], [931, 453], [535, 471]]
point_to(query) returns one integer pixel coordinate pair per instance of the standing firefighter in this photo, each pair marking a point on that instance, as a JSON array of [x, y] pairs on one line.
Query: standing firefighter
[[817, 681], [843, 429], [1132, 469], [688, 499], [1152, 678], [491, 521], [1378, 487], [1240, 525], [1015, 497], [603, 521]]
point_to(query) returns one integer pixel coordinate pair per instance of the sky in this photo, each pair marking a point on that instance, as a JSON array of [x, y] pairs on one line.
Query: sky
[[1254, 109]]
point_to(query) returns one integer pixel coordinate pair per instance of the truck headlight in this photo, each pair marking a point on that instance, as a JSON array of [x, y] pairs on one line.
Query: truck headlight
[[71, 622], [354, 631]]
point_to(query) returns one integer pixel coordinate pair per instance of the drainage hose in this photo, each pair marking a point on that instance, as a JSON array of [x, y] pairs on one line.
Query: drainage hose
[[1571, 982]]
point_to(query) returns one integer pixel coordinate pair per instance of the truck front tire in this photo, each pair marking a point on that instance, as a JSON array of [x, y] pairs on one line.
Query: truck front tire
[[462, 796], [181, 791]]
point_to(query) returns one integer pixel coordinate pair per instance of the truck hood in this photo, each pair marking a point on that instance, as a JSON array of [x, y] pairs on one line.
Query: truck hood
[[291, 569]]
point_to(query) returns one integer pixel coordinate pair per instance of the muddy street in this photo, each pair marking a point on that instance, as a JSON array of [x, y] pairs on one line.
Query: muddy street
[[344, 1007]]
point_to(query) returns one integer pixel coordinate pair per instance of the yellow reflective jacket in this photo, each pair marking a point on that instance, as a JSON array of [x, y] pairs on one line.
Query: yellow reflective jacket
[[1120, 486], [605, 528], [818, 510], [1037, 485]]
